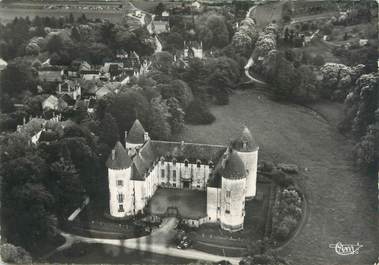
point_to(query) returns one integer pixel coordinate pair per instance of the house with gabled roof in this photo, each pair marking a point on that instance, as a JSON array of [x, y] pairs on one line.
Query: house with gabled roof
[[71, 88], [50, 75], [223, 176]]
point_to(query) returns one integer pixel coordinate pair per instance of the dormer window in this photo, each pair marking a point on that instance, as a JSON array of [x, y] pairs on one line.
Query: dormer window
[[120, 183], [186, 163], [162, 160], [211, 164], [174, 161], [198, 163]]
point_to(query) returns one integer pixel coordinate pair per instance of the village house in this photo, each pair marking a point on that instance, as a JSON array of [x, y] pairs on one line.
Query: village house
[[224, 175], [71, 88], [50, 75], [193, 49], [54, 103]]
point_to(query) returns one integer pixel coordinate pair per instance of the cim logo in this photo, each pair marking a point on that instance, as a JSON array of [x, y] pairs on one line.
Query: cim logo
[[346, 249]]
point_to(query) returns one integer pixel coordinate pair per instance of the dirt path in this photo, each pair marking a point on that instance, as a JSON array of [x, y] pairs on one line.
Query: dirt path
[[342, 202]]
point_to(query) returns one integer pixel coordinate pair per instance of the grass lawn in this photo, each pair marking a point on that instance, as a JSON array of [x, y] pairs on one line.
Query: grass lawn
[[92, 222], [342, 202], [190, 203], [107, 254]]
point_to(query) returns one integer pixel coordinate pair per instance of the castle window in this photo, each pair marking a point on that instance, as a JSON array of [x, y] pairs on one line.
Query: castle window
[[174, 175], [228, 193], [120, 183], [227, 207], [120, 197], [174, 185], [162, 173], [120, 208]]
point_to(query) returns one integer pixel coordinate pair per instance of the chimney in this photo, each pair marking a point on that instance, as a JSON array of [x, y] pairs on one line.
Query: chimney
[[113, 154], [146, 137], [126, 135], [23, 120]]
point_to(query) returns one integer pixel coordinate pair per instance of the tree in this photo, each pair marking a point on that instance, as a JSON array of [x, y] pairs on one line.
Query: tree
[[245, 37], [18, 171], [75, 34], [212, 30], [176, 119], [13, 254], [127, 107], [197, 112], [177, 89], [366, 151], [108, 130], [17, 78], [28, 216], [55, 44], [160, 127], [159, 9], [66, 185], [162, 61]]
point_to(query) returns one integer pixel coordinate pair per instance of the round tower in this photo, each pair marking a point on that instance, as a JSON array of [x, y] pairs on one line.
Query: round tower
[[233, 192], [136, 136], [247, 149], [119, 172]]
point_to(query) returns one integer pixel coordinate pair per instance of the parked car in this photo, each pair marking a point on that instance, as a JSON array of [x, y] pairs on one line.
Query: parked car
[[184, 243]]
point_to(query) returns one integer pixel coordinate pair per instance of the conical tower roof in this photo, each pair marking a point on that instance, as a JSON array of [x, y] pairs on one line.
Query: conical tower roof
[[245, 142], [136, 133], [234, 168], [118, 159]]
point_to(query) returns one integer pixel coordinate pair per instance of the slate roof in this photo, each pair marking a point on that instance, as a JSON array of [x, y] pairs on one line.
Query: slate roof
[[142, 162], [50, 75], [245, 142], [68, 99], [233, 168], [191, 151], [121, 159], [136, 133]]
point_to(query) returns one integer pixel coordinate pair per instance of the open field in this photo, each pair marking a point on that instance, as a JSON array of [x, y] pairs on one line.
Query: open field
[[8, 14], [342, 202]]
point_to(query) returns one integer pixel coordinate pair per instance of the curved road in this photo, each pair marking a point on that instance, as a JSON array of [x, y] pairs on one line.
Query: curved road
[[250, 62], [159, 242]]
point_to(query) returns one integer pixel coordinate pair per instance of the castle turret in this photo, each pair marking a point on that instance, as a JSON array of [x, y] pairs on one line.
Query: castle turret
[[233, 192], [135, 137], [119, 172], [247, 149]]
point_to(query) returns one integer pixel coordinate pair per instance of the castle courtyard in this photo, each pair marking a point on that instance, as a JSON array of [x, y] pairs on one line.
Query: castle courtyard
[[191, 204]]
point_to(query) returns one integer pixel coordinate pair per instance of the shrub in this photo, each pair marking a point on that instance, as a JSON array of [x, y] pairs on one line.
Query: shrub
[[13, 254], [281, 233], [198, 113], [318, 60]]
